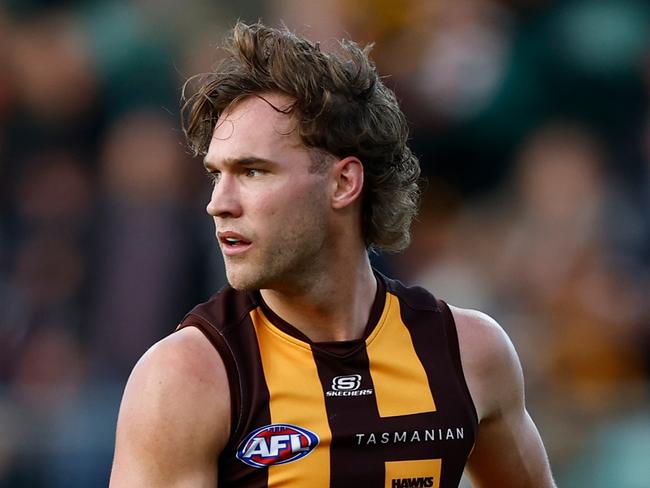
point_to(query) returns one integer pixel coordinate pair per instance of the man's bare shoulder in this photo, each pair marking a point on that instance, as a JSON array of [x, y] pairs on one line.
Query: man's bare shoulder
[[187, 354], [175, 412], [492, 368], [508, 450], [185, 373]]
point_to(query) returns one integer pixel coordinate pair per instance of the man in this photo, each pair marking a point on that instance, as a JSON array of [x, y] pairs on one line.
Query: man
[[311, 369]]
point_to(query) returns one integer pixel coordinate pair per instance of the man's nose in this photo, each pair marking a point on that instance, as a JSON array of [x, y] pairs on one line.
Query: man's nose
[[225, 198]]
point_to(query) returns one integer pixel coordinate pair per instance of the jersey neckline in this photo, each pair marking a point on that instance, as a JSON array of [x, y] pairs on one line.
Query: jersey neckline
[[337, 348]]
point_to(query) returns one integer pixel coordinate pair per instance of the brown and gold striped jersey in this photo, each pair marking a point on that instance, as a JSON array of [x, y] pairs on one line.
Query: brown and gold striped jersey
[[389, 410]]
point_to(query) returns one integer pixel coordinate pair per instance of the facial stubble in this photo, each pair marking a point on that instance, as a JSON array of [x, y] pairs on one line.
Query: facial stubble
[[292, 259]]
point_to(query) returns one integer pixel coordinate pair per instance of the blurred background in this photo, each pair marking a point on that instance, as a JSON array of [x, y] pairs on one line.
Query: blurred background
[[532, 122]]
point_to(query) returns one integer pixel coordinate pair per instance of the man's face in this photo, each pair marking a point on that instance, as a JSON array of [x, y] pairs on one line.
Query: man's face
[[269, 209]]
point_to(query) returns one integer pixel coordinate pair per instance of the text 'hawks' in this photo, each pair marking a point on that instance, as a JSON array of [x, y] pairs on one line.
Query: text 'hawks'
[[424, 482]]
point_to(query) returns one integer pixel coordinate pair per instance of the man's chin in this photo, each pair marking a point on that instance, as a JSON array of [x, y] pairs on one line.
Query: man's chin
[[244, 283], [240, 285], [243, 286]]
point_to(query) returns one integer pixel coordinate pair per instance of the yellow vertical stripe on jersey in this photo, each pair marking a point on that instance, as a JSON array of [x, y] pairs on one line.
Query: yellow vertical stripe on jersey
[[425, 472], [293, 383], [401, 387]]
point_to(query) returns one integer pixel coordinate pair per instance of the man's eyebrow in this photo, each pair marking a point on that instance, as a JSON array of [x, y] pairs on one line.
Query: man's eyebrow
[[245, 161]]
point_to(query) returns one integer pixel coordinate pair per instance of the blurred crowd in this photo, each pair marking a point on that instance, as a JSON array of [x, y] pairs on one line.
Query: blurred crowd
[[532, 123]]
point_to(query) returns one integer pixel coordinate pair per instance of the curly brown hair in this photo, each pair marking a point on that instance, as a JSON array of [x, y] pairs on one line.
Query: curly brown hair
[[341, 107]]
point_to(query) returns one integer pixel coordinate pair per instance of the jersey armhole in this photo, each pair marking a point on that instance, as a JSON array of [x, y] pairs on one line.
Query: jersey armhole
[[454, 351], [232, 371]]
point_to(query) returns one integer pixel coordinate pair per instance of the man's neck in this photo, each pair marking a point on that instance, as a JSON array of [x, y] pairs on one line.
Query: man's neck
[[335, 308]]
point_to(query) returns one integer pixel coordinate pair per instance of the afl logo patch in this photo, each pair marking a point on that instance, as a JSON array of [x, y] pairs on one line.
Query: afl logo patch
[[276, 444]]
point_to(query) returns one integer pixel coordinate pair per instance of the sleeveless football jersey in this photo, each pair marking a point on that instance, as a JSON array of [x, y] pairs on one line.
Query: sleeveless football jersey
[[389, 410]]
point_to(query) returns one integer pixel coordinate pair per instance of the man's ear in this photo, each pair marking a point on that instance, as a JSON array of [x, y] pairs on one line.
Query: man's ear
[[347, 181]]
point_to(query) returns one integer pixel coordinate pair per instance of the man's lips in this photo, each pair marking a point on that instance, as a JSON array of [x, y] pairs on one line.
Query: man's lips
[[232, 243]]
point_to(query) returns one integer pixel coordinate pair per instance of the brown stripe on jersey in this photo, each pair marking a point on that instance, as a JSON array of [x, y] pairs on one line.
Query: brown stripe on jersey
[[353, 418], [296, 398], [437, 352], [352, 415], [454, 351], [225, 320], [346, 414]]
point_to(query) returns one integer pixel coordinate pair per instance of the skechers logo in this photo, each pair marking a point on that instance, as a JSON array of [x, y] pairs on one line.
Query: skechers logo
[[276, 444], [346, 383], [347, 386], [412, 482]]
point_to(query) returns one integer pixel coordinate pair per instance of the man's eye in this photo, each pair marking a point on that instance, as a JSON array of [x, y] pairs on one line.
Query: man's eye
[[253, 172]]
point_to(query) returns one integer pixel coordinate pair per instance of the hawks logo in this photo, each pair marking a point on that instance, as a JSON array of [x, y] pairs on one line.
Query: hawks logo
[[276, 444]]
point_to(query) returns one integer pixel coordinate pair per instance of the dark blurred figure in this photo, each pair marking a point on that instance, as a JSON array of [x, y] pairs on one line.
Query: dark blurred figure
[[42, 324], [144, 249]]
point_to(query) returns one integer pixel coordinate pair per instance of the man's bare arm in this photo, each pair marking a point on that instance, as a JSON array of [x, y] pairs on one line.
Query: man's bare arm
[[175, 416], [508, 451]]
